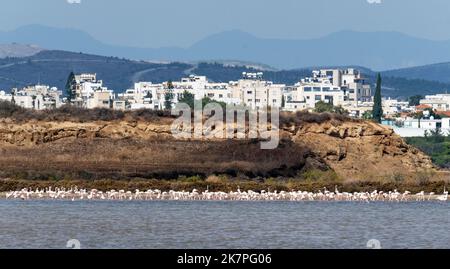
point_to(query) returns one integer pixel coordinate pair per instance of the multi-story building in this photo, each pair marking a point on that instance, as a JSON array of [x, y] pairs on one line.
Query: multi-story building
[[392, 107], [334, 86], [201, 88], [358, 88], [90, 92], [37, 97], [145, 95], [421, 127], [255, 92], [439, 102], [152, 96]]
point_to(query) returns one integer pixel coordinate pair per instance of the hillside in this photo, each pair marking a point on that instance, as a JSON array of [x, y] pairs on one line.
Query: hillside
[[53, 67], [18, 50], [434, 72], [376, 50]]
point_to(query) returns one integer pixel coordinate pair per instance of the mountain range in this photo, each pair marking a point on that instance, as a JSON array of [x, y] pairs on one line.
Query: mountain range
[[375, 50]]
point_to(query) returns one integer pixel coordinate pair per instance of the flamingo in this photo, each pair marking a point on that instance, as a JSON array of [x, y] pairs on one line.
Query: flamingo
[[443, 197]]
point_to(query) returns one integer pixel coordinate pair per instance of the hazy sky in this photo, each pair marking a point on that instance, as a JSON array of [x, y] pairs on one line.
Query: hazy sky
[[155, 23]]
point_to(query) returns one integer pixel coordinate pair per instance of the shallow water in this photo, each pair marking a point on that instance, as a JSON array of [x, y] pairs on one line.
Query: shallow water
[[164, 224]]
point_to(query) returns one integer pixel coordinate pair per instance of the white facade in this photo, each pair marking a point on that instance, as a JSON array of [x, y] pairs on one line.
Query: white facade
[[255, 92], [90, 92], [392, 107], [250, 91], [145, 95], [37, 97], [440, 102], [418, 128], [333, 86]]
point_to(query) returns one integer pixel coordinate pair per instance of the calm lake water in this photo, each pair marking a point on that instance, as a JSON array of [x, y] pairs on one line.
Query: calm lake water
[[50, 224]]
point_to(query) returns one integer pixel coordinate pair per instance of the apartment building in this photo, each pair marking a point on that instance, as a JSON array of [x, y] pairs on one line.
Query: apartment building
[[37, 97], [334, 86], [201, 88], [352, 80], [144, 95], [439, 102], [90, 93], [152, 96], [255, 92]]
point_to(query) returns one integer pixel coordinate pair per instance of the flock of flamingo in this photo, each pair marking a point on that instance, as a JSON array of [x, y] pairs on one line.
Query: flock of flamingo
[[74, 194]]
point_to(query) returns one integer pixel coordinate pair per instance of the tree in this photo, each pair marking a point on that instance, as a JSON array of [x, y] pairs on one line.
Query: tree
[[437, 135], [340, 110], [13, 93], [377, 112], [168, 96], [207, 100], [415, 100], [432, 113], [367, 115], [188, 98], [418, 116], [69, 87], [322, 107]]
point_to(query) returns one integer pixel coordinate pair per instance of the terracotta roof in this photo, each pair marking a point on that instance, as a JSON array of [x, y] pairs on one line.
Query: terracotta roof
[[443, 113], [422, 107]]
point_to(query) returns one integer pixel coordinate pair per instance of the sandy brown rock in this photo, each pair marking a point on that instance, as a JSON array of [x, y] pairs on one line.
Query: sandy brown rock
[[355, 150]]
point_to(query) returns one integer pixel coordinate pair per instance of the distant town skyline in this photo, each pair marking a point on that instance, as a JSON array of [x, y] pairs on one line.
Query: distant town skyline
[[180, 23]]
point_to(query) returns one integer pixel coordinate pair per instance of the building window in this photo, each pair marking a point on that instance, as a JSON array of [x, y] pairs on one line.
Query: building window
[[307, 89], [318, 98], [249, 92], [317, 89], [258, 101], [326, 89], [220, 95], [250, 100]]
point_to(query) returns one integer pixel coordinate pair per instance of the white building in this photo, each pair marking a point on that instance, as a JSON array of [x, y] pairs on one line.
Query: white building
[[333, 86], [392, 107], [90, 92], [37, 97], [201, 88], [255, 92], [251, 91], [418, 128], [145, 95], [440, 102]]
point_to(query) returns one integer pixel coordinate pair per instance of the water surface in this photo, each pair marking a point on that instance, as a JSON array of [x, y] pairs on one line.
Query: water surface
[[169, 224]]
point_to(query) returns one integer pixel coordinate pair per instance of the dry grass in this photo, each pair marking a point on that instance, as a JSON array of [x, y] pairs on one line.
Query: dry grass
[[93, 159], [74, 114]]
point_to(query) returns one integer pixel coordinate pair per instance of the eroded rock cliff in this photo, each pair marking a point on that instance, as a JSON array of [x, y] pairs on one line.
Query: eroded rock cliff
[[361, 149], [354, 149]]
